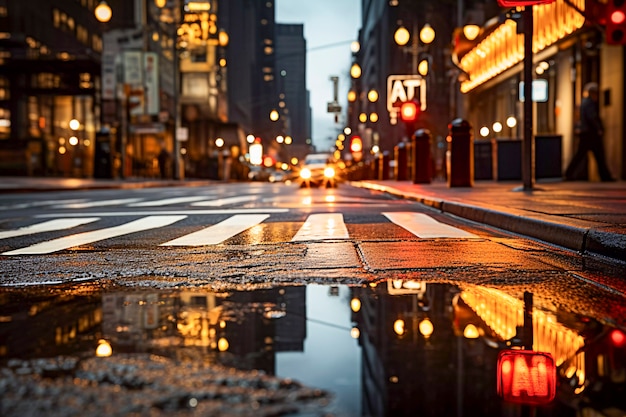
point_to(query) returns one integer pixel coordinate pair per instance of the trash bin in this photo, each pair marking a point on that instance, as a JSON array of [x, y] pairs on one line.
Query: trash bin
[[548, 156], [509, 156], [483, 160]]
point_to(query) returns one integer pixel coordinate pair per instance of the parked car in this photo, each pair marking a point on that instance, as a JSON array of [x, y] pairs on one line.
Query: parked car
[[319, 169]]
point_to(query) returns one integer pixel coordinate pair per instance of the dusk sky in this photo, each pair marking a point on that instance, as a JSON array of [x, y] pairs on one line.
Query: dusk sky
[[329, 28]]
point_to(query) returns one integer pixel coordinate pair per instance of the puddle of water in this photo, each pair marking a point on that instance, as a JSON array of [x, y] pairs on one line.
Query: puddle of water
[[396, 348]]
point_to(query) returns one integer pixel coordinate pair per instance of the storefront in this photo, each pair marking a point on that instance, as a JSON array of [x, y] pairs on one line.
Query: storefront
[[568, 52]]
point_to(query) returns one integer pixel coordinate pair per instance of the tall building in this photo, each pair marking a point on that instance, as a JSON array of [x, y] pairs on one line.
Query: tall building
[[381, 57], [291, 80], [250, 58]]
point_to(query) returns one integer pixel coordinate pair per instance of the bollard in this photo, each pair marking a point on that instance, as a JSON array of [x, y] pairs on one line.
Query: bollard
[[421, 156], [400, 156], [383, 166], [460, 154]]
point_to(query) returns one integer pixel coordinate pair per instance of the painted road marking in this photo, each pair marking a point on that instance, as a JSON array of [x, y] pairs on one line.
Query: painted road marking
[[219, 232], [100, 203], [168, 201], [174, 212], [145, 223], [224, 201], [322, 226], [424, 226], [48, 226]]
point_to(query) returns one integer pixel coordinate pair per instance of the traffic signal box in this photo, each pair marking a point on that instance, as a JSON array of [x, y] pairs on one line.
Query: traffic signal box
[[616, 22], [356, 148], [409, 113]]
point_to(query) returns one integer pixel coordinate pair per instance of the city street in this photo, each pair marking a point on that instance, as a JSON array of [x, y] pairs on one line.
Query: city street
[[270, 299]]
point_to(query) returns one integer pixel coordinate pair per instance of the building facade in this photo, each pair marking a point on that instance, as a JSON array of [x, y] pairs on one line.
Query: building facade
[[50, 70], [569, 50]]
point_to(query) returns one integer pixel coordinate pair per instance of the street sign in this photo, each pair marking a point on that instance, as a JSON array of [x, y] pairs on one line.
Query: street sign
[[333, 107], [403, 88]]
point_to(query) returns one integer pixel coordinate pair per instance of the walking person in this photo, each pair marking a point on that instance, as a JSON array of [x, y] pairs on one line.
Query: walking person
[[591, 135], [164, 162]]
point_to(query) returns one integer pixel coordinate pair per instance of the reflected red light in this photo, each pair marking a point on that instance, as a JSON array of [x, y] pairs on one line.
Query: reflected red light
[[618, 17], [526, 377], [618, 338]]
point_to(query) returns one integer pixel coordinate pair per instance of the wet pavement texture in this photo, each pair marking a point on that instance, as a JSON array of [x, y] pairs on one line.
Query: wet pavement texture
[[408, 345]]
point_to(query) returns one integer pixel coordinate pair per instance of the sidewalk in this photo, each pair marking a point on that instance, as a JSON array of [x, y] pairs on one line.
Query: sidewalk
[[589, 217]]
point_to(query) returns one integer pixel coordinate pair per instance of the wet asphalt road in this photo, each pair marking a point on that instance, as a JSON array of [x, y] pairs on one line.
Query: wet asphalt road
[[243, 254]]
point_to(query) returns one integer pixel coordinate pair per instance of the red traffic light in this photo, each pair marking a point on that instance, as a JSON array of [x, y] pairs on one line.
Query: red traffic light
[[409, 111], [356, 144], [616, 22]]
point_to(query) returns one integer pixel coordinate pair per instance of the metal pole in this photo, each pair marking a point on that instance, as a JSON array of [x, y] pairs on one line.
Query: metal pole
[[528, 155], [175, 58]]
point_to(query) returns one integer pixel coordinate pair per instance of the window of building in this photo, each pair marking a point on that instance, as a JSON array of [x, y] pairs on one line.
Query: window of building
[[4, 89]]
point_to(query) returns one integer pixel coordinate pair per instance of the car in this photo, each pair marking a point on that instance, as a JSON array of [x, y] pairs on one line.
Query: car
[[319, 169]]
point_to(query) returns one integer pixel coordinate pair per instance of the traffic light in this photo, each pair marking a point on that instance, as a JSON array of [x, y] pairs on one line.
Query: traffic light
[[356, 148], [409, 111], [616, 22], [356, 144]]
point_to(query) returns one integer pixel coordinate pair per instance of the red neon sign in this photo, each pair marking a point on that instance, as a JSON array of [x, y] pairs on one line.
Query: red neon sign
[[526, 377], [515, 3]]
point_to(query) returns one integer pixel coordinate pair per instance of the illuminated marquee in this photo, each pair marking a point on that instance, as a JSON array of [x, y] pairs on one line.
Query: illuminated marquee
[[504, 48]]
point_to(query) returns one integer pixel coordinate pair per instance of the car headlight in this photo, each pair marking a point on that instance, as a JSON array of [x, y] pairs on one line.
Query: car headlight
[[305, 174], [329, 172]]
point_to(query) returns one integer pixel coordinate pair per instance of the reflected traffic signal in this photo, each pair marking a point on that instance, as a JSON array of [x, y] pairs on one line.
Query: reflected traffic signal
[[616, 22]]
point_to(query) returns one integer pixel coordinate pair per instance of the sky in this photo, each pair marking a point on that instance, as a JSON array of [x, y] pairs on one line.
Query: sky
[[329, 28]]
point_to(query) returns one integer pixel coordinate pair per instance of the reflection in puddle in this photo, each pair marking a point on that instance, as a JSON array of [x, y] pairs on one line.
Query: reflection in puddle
[[394, 348]]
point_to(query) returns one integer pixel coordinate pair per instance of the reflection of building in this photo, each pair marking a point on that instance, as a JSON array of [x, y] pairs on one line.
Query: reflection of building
[[246, 329], [407, 373]]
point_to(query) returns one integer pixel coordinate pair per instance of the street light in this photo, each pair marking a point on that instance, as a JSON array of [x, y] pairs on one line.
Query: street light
[[103, 12], [426, 35]]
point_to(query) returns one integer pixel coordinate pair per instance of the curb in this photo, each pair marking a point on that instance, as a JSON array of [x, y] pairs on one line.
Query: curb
[[583, 239]]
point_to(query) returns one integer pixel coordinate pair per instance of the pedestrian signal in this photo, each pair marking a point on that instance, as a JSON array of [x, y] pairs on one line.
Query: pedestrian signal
[[409, 111], [616, 22]]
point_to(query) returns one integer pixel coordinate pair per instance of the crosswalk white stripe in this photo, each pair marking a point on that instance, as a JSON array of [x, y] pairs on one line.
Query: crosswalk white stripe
[[424, 226], [168, 201], [145, 223], [171, 212], [224, 201], [322, 226], [219, 232], [100, 203], [48, 226]]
